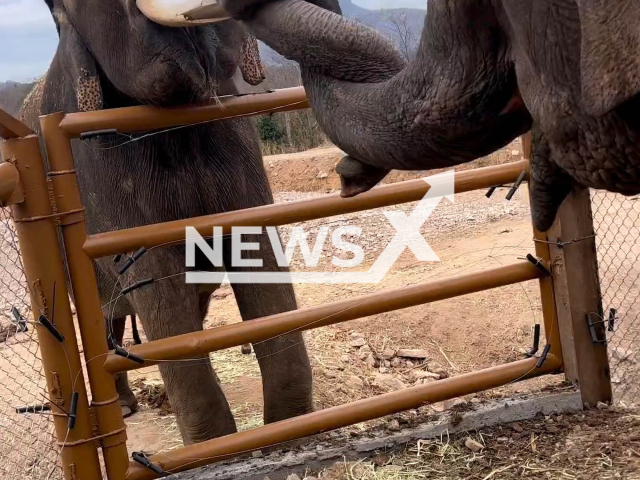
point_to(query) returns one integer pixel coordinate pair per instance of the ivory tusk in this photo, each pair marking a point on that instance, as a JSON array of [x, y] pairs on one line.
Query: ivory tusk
[[182, 13]]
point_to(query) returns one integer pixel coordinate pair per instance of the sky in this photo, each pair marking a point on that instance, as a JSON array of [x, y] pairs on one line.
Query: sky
[[28, 36]]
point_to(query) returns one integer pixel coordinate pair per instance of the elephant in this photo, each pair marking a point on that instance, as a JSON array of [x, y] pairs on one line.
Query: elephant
[[110, 55], [486, 71]]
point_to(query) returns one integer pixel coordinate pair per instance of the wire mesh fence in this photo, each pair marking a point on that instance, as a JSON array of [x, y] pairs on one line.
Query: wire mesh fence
[[27, 442], [617, 227]]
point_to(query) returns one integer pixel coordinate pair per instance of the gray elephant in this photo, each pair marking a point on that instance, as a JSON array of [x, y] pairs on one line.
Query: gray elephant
[[486, 71], [110, 55]]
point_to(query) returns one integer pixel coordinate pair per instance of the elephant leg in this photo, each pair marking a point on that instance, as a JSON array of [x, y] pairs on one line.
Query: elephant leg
[[284, 363], [128, 401], [169, 308]]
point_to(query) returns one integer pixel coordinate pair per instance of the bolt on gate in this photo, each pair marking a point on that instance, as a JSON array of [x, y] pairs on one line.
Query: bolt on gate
[[47, 203]]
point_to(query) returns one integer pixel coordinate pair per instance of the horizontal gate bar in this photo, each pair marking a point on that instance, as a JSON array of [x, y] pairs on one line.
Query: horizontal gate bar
[[11, 127], [191, 345], [143, 118], [218, 449], [112, 243]]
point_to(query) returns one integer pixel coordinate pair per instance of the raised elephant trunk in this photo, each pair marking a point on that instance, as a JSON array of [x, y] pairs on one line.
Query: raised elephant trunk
[[446, 107], [451, 105]]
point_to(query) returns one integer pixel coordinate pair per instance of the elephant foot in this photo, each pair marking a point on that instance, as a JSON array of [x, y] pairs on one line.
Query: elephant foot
[[128, 401]]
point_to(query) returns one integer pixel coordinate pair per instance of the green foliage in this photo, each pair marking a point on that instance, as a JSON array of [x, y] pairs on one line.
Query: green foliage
[[269, 129]]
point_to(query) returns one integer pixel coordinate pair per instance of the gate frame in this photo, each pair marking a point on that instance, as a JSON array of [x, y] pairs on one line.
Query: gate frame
[[571, 264]]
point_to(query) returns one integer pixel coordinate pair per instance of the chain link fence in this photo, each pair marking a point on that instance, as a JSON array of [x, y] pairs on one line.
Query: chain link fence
[[617, 226], [27, 440]]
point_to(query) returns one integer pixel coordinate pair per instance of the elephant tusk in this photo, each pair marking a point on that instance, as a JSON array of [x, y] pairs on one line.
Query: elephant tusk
[[182, 13]]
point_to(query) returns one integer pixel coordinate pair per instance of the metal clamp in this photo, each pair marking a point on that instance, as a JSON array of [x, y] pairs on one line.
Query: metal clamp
[[592, 327], [536, 341]]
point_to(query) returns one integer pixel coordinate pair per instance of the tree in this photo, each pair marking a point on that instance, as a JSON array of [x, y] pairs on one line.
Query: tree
[[403, 33]]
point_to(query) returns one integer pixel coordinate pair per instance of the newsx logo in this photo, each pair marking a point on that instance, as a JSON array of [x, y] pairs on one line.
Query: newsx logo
[[407, 235]]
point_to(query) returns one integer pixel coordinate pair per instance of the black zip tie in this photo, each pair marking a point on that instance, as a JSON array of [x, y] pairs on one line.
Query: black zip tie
[[538, 264], [135, 286], [142, 459], [516, 185], [543, 355], [44, 321], [536, 341], [612, 319], [121, 352], [19, 320], [72, 411], [117, 258], [98, 133], [131, 260], [34, 408], [490, 192]]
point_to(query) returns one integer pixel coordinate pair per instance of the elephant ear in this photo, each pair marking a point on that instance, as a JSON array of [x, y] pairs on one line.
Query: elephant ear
[[77, 62], [610, 53], [250, 63]]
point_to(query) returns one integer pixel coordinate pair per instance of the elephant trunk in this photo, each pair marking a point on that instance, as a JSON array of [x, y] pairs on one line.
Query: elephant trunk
[[447, 107]]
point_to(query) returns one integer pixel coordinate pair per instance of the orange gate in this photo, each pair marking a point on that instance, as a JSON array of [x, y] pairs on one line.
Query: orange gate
[[43, 202]]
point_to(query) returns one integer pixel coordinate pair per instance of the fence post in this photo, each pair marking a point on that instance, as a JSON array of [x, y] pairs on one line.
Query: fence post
[[111, 426], [572, 249], [38, 240]]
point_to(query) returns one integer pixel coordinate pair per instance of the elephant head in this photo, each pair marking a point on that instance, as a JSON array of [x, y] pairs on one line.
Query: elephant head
[[486, 71], [113, 55]]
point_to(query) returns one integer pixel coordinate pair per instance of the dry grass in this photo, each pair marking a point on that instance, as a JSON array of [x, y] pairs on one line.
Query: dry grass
[[591, 445]]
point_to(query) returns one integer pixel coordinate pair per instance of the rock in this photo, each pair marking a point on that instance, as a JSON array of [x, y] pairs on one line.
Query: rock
[[602, 406], [371, 360], [424, 381], [293, 476], [502, 439], [345, 358], [476, 400], [395, 362], [356, 335], [364, 351], [454, 402], [387, 354], [423, 374], [358, 342], [322, 175], [383, 369], [386, 363], [413, 353], [354, 382], [409, 363], [393, 425], [435, 367], [517, 428], [388, 382], [470, 443], [552, 429], [438, 407], [256, 453]]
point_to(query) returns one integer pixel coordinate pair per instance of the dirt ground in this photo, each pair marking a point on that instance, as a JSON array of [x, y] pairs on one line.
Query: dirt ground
[[364, 357]]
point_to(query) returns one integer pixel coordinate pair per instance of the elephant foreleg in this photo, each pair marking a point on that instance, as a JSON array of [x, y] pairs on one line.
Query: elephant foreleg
[[284, 363]]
